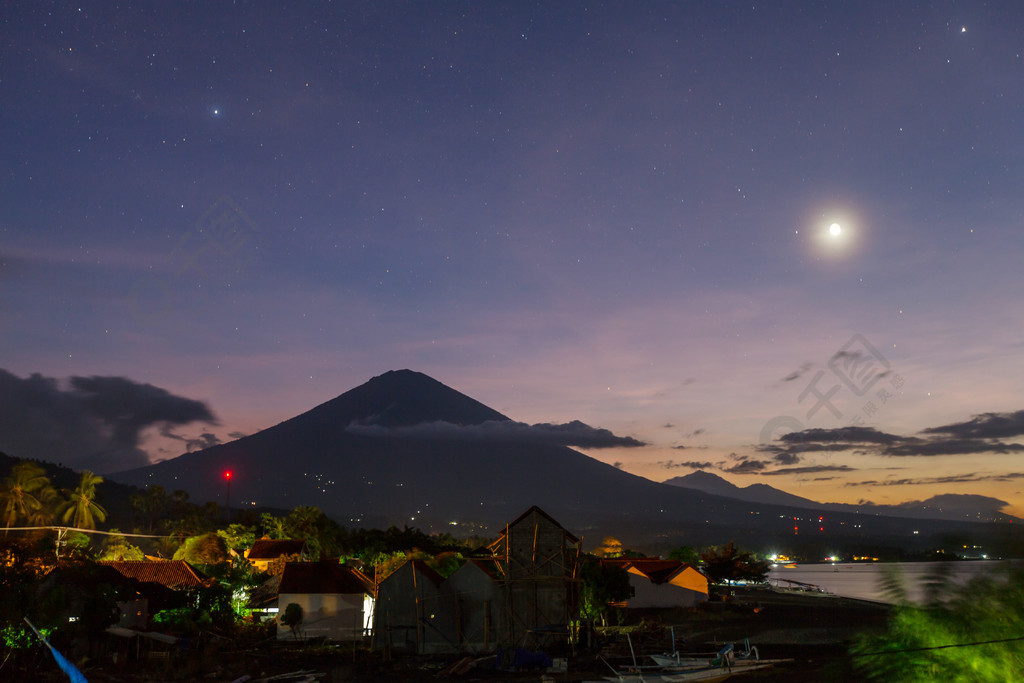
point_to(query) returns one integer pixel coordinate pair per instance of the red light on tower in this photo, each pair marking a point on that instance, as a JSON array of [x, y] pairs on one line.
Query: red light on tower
[[227, 498]]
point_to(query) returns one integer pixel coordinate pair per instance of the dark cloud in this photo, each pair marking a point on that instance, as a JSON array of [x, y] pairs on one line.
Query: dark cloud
[[949, 479], [859, 435], [796, 448], [234, 436], [951, 447], [798, 373], [984, 426], [573, 433], [745, 465], [687, 464], [964, 438], [95, 423], [811, 469], [786, 458], [196, 443]]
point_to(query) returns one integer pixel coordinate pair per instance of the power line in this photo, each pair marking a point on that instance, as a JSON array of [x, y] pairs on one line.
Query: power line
[[84, 531], [936, 647]]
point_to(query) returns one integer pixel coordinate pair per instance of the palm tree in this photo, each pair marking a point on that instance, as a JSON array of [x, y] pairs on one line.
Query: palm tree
[[81, 510], [25, 494]]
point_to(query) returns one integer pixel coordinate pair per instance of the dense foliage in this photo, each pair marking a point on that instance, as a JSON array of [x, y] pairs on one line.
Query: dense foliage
[[727, 563], [970, 633], [600, 585]]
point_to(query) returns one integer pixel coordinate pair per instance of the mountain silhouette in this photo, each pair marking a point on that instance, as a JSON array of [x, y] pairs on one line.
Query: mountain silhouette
[[405, 449], [950, 506]]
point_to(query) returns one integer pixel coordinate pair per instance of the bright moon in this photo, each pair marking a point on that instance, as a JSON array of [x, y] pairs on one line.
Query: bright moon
[[834, 229]]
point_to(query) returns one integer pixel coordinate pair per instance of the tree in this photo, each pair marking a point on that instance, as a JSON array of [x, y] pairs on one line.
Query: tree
[[685, 553], [206, 549], [118, 548], [81, 510], [292, 617], [274, 527], [960, 633], [238, 536], [727, 563], [599, 586], [151, 504], [610, 547], [26, 494], [165, 547]]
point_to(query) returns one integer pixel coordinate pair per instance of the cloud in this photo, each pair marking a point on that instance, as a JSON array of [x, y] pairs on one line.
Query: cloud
[[90, 423], [858, 435], [747, 465], [951, 447], [798, 373], [198, 443], [688, 464], [573, 433], [963, 438], [811, 469], [984, 426], [949, 479], [786, 458]]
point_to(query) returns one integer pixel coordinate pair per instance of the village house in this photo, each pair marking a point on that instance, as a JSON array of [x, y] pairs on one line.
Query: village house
[[522, 593], [414, 613], [337, 602], [174, 574], [661, 583], [478, 603], [536, 560], [270, 555]]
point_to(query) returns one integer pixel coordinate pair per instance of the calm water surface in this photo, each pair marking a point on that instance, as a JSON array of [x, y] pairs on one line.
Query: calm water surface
[[864, 581]]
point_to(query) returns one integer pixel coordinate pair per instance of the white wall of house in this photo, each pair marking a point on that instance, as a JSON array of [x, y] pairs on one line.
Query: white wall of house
[[334, 616]]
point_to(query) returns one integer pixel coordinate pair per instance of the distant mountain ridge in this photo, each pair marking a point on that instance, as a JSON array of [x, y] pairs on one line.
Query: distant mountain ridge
[[405, 449], [950, 506]]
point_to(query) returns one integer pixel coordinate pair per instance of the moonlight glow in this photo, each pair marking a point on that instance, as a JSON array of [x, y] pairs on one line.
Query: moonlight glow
[[834, 232]]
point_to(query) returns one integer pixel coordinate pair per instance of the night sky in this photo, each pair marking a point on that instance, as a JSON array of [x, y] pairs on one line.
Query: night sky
[[216, 216]]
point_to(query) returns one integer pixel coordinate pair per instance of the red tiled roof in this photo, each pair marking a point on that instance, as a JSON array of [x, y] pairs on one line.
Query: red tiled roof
[[171, 573], [323, 577], [269, 549]]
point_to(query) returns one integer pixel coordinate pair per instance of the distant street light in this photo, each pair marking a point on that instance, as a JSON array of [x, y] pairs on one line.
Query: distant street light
[[227, 499]]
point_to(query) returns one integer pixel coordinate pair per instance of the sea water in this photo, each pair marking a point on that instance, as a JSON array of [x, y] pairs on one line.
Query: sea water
[[866, 580]]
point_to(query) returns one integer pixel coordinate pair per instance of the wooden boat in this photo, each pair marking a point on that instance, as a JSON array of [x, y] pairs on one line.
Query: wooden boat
[[677, 669]]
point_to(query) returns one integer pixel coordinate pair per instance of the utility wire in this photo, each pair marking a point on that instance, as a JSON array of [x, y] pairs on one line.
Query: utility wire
[[936, 647], [84, 531]]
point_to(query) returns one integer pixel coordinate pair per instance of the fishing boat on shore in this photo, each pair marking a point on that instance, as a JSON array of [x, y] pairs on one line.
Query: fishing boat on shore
[[677, 668]]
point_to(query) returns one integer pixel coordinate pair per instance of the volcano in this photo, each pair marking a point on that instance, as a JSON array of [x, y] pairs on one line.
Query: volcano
[[405, 449]]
